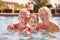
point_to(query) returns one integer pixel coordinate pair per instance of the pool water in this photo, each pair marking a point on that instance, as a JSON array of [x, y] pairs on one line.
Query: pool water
[[6, 20]]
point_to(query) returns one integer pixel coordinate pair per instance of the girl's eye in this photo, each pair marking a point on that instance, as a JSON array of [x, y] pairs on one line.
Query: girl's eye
[[35, 21], [31, 21], [21, 17]]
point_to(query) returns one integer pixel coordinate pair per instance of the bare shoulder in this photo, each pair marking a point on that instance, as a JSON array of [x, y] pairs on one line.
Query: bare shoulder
[[55, 25]]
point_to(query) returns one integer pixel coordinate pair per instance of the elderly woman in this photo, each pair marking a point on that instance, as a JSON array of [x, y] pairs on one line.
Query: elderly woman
[[46, 24]]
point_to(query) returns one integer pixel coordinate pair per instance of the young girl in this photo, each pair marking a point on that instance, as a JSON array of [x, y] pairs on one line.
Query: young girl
[[32, 23]]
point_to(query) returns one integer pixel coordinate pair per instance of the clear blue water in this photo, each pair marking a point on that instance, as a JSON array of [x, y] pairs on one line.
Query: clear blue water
[[6, 20]]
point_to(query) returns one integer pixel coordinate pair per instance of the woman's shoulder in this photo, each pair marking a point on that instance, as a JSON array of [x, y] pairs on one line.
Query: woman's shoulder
[[54, 24]]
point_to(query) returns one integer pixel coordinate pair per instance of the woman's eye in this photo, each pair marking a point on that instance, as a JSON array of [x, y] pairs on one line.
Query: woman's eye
[[25, 17], [41, 15], [46, 14]]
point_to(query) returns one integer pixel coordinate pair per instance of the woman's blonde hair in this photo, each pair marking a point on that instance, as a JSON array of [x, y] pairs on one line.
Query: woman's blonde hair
[[47, 10]]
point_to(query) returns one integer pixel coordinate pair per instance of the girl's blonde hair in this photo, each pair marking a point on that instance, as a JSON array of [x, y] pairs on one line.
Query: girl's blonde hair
[[33, 15], [47, 10]]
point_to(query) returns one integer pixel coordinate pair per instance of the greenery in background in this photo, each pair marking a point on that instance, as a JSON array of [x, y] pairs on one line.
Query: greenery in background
[[39, 3], [16, 6], [2, 5]]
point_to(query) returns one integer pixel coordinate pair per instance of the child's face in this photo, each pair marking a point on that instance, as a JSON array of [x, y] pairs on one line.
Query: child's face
[[33, 21]]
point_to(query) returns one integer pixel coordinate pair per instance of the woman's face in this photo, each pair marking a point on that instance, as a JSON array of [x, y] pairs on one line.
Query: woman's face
[[44, 15]]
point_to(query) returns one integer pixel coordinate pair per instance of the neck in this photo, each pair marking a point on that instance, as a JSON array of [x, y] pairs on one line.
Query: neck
[[23, 24], [47, 23]]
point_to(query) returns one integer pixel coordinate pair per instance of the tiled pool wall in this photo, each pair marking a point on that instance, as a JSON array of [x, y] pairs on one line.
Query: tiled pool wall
[[6, 20]]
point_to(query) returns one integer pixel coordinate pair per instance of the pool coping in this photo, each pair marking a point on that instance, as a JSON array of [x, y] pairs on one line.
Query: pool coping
[[9, 14], [16, 14]]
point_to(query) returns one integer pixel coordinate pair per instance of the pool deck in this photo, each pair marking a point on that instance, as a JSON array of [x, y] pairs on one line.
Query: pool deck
[[16, 14]]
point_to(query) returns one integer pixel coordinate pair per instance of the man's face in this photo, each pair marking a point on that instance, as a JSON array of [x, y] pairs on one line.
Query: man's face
[[44, 15], [22, 17]]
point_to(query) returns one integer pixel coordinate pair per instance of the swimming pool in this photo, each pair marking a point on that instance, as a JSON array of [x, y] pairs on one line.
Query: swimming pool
[[6, 20]]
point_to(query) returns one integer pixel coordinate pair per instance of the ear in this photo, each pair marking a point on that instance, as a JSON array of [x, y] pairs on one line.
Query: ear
[[18, 17]]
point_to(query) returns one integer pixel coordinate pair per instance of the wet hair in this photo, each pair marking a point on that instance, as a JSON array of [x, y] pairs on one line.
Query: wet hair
[[22, 12], [47, 10], [34, 15]]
